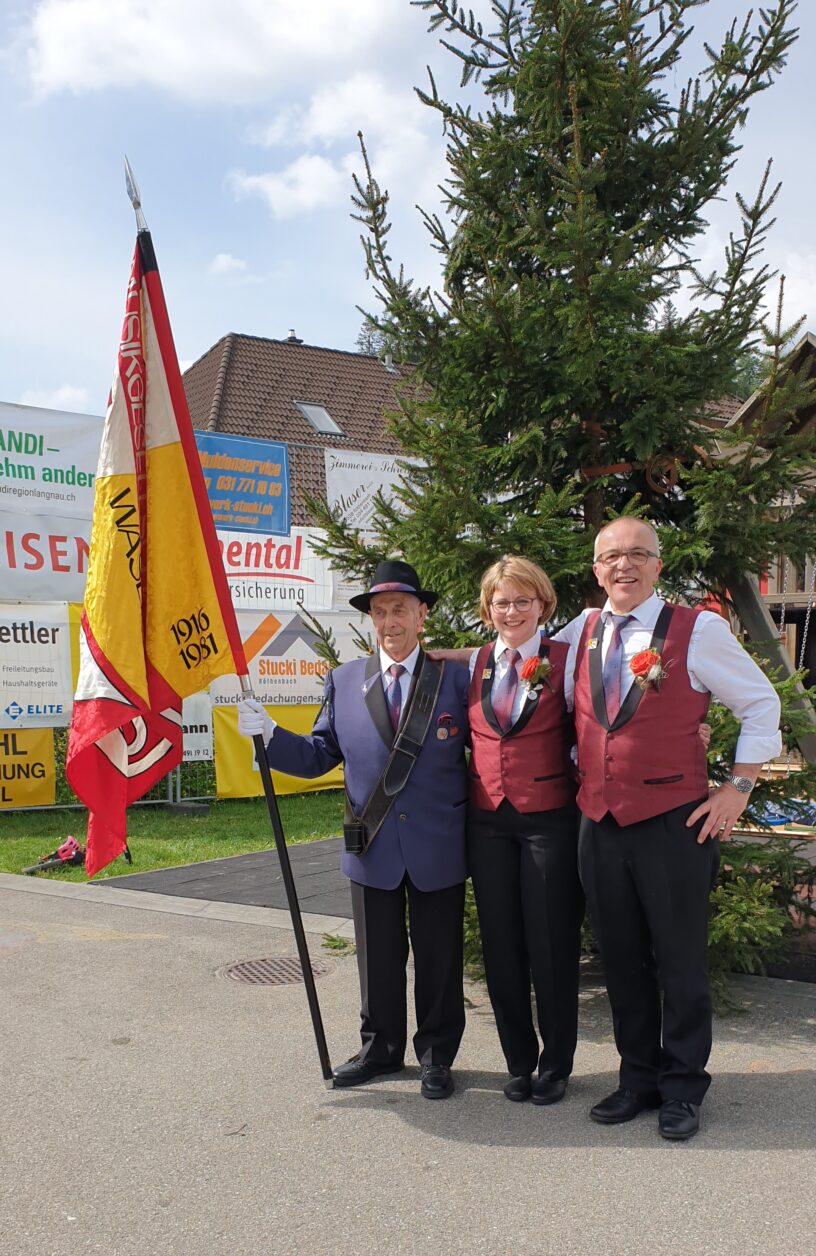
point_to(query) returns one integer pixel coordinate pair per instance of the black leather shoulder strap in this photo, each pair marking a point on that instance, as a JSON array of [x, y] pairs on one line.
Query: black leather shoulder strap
[[406, 748]]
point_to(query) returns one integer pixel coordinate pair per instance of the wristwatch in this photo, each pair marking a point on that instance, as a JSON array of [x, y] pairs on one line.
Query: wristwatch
[[743, 784]]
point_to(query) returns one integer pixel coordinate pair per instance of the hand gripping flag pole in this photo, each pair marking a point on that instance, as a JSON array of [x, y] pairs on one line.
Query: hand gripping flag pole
[[158, 622]]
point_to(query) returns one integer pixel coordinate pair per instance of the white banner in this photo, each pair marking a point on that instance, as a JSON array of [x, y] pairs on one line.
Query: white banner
[[48, 461], [276, 572], [284, 666], [43, 558], [197, 728], [35, 666], [354, 476]]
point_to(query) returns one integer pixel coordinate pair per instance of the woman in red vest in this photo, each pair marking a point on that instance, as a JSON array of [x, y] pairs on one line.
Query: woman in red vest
[[523, 830]]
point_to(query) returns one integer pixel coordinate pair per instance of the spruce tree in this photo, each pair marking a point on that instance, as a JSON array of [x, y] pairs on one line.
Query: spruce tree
[[556, 384]]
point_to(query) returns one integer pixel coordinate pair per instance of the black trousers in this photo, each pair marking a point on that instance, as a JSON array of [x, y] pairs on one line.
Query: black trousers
[[524, 869], [435, 920], [647, 885]]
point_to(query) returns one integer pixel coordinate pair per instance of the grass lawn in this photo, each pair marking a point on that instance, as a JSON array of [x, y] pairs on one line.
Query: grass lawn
[[158, 839]]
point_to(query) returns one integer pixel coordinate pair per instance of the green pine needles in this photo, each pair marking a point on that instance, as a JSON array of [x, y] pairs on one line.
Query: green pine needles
[[564, 371]]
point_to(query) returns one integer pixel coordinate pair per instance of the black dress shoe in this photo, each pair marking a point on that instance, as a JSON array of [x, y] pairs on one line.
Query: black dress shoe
[[549, 1089], [437, 1082], [623, 1105], [518, 1088], [357, 1072], [679, 1119]]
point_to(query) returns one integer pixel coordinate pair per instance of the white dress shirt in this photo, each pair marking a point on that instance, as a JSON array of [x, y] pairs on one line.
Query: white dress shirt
[[717, 664], [527, 651], [405, 679]]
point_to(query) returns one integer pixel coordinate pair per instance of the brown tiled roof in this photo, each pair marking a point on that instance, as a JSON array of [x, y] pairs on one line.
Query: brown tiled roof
[[247, 386], [719, 413]]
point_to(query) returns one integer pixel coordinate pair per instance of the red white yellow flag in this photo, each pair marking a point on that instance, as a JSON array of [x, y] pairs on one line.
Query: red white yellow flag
[[158, 623]]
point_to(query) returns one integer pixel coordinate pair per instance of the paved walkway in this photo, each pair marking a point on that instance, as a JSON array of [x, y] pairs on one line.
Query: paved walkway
[[154, 1108], [255, 880]]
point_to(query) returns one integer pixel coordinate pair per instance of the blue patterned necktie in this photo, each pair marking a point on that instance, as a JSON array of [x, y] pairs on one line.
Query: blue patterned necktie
[[504, 694], [612, 667], [393, 694]]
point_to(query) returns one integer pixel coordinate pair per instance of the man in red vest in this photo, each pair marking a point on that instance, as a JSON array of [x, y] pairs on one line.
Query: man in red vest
[[651, 829]]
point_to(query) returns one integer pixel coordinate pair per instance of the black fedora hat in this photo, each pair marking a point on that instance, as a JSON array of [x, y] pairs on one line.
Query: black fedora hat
[[393, 576]]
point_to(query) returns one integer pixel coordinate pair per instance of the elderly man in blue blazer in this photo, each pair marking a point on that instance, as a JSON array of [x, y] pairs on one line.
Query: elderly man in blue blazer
[[418, 852]]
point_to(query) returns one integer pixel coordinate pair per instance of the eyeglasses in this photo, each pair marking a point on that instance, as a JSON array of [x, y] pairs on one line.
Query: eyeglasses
[[637, 557], [522, 605]]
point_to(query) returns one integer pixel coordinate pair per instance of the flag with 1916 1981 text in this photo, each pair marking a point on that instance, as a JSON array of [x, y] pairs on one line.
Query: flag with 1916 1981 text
[[157, 622]]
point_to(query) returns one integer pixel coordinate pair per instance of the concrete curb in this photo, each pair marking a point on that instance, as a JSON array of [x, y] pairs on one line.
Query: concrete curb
[[204, 909]]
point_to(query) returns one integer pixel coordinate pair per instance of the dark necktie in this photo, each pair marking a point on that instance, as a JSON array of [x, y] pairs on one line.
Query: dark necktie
[[504, 693], [612, 667], [393, 694]]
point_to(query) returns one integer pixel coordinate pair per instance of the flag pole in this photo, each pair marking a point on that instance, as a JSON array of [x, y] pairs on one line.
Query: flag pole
[[266, 776], [291, 896]]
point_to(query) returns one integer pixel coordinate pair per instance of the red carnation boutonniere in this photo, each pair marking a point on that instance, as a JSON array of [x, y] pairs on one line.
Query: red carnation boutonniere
[[534, 672], [647, 669]]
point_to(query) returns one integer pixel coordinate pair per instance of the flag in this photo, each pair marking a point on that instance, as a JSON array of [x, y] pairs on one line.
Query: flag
[[157, 623]]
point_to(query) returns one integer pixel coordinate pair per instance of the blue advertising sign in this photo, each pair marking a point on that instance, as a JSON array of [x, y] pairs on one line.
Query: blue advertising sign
[[247, 482]]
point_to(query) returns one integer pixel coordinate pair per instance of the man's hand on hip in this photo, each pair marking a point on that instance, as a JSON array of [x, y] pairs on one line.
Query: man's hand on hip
[[724, 807]]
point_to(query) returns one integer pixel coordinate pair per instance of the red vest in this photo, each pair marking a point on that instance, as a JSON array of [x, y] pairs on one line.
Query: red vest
[[651, 759], [530, 765]]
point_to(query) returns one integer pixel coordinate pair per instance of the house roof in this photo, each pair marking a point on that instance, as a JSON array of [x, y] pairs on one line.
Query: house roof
[[248, 386], [720, 413], [801, 359]]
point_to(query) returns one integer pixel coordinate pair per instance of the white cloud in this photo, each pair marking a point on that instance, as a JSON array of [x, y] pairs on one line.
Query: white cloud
[[206, 50], [337, 111], [397, 129], [226, 264], [799, 270], [309, 183], [67, 397], [285, 128]]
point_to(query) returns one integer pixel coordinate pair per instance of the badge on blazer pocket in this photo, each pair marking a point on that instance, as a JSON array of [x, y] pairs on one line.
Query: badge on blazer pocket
[[445, 726]]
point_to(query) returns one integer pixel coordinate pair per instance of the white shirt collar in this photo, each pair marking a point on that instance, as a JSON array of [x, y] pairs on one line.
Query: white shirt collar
[[527, 650], [409, 664], [646, 613]]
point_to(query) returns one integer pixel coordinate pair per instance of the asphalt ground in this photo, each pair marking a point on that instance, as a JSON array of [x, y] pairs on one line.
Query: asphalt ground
[[255, 879], [154, 1106]]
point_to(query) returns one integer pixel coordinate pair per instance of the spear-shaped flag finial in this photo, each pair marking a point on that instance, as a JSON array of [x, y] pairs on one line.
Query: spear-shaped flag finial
[[133, 193]]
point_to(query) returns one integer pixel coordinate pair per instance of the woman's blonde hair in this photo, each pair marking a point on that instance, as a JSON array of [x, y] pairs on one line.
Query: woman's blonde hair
[[525, 575]]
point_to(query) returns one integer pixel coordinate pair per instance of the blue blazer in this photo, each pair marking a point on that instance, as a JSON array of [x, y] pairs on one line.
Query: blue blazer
[[424, 832]]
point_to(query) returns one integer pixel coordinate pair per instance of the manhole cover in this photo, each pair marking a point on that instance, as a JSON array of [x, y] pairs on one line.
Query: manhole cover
[[284, 971]]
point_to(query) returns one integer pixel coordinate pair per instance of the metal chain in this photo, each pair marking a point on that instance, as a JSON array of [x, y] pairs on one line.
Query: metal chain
[[806, 625], [784, 593], [784, 589]]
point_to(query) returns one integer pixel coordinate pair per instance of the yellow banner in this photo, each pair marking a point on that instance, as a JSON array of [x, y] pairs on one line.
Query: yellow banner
[[236, 773], [27, 776], [74, 616]]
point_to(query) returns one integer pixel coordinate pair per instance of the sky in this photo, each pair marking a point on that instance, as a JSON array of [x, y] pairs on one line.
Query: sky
[[240, 118]]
